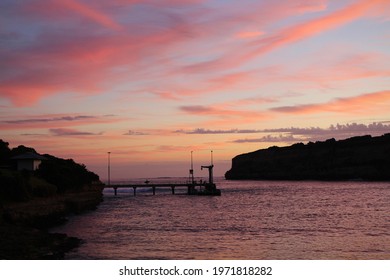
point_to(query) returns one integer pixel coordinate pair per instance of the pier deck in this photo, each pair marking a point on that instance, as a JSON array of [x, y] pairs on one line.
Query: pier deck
[[191, 187]]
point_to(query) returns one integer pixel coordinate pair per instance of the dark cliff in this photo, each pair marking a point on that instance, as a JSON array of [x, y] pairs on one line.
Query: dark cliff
[[363, 158]]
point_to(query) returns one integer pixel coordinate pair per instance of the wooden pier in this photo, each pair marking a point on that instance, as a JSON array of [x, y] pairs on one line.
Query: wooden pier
[[209, 188], [196, 188]]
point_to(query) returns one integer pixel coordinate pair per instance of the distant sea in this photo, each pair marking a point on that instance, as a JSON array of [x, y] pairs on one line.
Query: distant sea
[[250, 220]]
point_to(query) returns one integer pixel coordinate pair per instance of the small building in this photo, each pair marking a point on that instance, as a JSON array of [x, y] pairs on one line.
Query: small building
[[28, 161]]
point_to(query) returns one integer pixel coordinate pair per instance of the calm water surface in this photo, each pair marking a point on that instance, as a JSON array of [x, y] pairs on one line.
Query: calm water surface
[[251, 220]]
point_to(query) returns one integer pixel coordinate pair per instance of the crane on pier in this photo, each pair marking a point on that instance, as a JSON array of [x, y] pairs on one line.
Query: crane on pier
[[210, 168]]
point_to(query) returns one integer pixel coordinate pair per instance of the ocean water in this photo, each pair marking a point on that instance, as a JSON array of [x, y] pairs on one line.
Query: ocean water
[[250, 220]]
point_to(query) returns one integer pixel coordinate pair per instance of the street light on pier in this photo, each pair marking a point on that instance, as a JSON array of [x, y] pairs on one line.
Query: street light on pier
[[109, 169], [192, 170]]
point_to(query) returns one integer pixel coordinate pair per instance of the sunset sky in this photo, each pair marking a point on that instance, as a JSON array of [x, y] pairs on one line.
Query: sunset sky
[[152, 80]]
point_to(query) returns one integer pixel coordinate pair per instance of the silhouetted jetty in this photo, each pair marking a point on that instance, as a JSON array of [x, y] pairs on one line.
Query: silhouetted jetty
[[193, 187], [196, 188]]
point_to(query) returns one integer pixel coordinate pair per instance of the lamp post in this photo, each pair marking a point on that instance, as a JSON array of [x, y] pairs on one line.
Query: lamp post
[[108, 169], [192, 169]]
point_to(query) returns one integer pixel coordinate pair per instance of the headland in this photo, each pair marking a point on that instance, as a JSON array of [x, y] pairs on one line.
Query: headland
[[356, 158]]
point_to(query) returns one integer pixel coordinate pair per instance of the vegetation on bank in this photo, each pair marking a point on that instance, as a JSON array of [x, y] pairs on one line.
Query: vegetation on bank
[[356, 158], [54, 176], [32, 201]]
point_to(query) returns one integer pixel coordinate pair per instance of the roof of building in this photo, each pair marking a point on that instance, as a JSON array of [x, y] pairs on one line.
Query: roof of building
[[29, 155]]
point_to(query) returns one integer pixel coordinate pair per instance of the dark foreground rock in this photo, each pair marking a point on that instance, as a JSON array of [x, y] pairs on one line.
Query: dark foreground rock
[[28, 243], [23, 225], [357, 158]]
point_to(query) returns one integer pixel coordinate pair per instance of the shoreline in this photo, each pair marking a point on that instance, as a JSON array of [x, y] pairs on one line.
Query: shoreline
[[24, 226], [309, 179], [27, 243]]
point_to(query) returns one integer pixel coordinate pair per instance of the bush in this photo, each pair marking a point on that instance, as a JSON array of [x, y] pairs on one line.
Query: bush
[[14, 186], [65, 173], [41, 188]]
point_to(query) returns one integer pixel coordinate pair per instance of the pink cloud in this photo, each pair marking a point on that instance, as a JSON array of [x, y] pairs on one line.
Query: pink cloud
[[53, 120], [219, 112], [328, 72], [90, 13], [239, 81], [224, 115], [313, 27], [67, 56], [76, 63], [251, 101], [249, 34], [245, 53], [364, 104], [165, 95]]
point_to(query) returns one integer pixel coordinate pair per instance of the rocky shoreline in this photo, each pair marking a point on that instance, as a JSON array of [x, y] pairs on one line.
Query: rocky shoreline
[[24, 225]]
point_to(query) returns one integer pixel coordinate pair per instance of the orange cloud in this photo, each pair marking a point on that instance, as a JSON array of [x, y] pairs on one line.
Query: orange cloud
[[325, 74], [363, 104], [249, 34], [251, 101], [220, 112], [239, 81], [224, 116]]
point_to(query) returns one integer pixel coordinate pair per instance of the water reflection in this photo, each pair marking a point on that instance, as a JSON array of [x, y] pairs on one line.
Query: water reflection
[[251, 220]]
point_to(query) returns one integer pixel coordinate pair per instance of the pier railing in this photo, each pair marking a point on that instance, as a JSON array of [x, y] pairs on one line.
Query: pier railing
[[154, 185]]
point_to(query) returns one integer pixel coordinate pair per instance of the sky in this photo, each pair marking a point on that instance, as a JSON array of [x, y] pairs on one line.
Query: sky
[[152, 80]]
